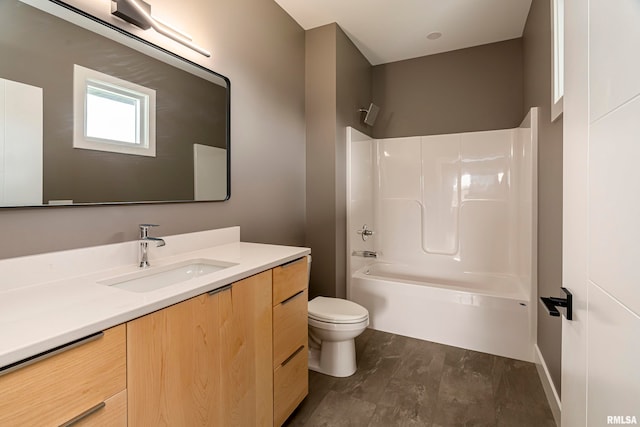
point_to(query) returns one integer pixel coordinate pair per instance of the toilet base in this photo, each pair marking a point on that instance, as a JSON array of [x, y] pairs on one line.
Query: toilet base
[[334, 358]]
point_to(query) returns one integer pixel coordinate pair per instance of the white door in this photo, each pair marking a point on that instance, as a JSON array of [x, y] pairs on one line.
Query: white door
[[601, 213]]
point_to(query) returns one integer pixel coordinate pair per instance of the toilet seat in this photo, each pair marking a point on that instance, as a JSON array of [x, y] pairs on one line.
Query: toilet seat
[[339, 327], [336, 311]]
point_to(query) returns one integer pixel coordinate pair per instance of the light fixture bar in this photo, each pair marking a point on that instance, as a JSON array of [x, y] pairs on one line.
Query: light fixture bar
[[138, 13], [182, 33]]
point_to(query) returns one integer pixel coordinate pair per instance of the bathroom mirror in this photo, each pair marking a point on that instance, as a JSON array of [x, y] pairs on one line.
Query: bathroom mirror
[[157, 124]]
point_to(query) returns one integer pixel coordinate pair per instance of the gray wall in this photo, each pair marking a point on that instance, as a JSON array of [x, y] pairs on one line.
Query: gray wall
[[537, 92], [353, 87], [261, 49], [478, 88], [321, 154], [338, 84]]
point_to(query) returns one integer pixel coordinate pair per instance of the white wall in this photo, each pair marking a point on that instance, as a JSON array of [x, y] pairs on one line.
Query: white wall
[[447, 205], [361, 158], [450, 203]]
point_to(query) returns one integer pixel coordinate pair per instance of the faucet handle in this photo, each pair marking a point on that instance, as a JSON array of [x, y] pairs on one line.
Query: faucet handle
[[144, 229], [365, 232]]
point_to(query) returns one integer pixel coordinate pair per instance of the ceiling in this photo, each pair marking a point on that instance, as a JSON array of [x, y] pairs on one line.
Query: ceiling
[[394, 30]]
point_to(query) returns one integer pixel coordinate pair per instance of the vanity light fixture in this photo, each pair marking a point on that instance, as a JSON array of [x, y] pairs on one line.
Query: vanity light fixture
[[138, 13]]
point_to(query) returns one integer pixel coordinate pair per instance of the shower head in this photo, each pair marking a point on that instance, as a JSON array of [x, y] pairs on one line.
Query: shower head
[[372, 114]]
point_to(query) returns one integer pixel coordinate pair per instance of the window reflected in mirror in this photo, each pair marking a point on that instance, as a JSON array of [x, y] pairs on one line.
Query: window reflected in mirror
[[113, 115]]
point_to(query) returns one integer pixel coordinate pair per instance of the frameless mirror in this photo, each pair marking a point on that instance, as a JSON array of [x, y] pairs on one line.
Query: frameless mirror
[[90, 114]]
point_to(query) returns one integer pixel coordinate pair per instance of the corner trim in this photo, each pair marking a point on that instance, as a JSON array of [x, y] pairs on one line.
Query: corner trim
[[547, 384]]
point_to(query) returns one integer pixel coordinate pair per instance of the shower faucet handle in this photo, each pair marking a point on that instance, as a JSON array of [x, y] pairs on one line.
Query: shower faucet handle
[[365, 232]]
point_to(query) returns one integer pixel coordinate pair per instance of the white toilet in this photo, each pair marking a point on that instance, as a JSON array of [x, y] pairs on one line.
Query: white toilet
[[334, 324]]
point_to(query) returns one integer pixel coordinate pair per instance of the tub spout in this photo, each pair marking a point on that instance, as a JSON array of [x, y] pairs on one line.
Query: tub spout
[[366, 254]]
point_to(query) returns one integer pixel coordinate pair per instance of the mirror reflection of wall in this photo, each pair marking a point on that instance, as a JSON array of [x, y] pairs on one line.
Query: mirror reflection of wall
[[210, 170], [20, 144], [40, 50]]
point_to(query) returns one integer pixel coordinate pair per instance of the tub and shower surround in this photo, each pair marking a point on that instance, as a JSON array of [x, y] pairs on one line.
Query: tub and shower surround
[[454, 229]]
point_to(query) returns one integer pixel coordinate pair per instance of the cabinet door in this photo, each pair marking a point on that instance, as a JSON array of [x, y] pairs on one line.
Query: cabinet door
[[247, 374], [290, 338], [174, 366], [290, 327], [57, 389], [289, 279], [290, 385]]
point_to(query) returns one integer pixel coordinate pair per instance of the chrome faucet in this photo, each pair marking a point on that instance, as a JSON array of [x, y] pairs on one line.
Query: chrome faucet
[[143, 254], [366, 254]]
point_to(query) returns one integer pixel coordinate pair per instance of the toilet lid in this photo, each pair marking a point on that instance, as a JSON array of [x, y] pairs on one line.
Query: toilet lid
[[336, 310]]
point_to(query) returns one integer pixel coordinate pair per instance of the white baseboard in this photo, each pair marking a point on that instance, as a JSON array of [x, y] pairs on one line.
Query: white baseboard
[[547, 384]]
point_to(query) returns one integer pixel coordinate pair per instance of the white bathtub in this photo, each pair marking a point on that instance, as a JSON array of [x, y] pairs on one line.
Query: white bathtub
[[478, 312]]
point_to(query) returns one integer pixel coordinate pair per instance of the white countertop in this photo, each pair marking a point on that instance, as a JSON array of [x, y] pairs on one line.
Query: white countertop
[[37, 315]]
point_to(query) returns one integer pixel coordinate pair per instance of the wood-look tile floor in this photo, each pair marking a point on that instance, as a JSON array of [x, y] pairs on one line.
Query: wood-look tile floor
[[403, 381]]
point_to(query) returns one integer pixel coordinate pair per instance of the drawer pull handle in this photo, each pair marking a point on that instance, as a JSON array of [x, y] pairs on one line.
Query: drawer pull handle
[[84, 415], [221, 289], [287, 264], [49, 353], [295, 353], [292, 297]]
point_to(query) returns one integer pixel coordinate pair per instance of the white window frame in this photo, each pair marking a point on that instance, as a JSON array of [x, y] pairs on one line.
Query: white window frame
[[557, 58], [145, 144]]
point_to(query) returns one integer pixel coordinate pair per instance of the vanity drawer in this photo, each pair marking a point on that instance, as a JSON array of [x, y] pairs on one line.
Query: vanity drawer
[[112, 414], [57, 389], [289, 279], [290, 385], [289, 327]]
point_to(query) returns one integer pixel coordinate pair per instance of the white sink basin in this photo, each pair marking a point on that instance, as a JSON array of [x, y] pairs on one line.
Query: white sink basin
[[159, 277]]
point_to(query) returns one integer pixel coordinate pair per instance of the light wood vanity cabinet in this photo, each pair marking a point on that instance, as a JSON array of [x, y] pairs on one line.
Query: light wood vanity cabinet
[[234, 357], [205, 361], [83, 379], [173, 365], [246, 345], [290, 338]]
